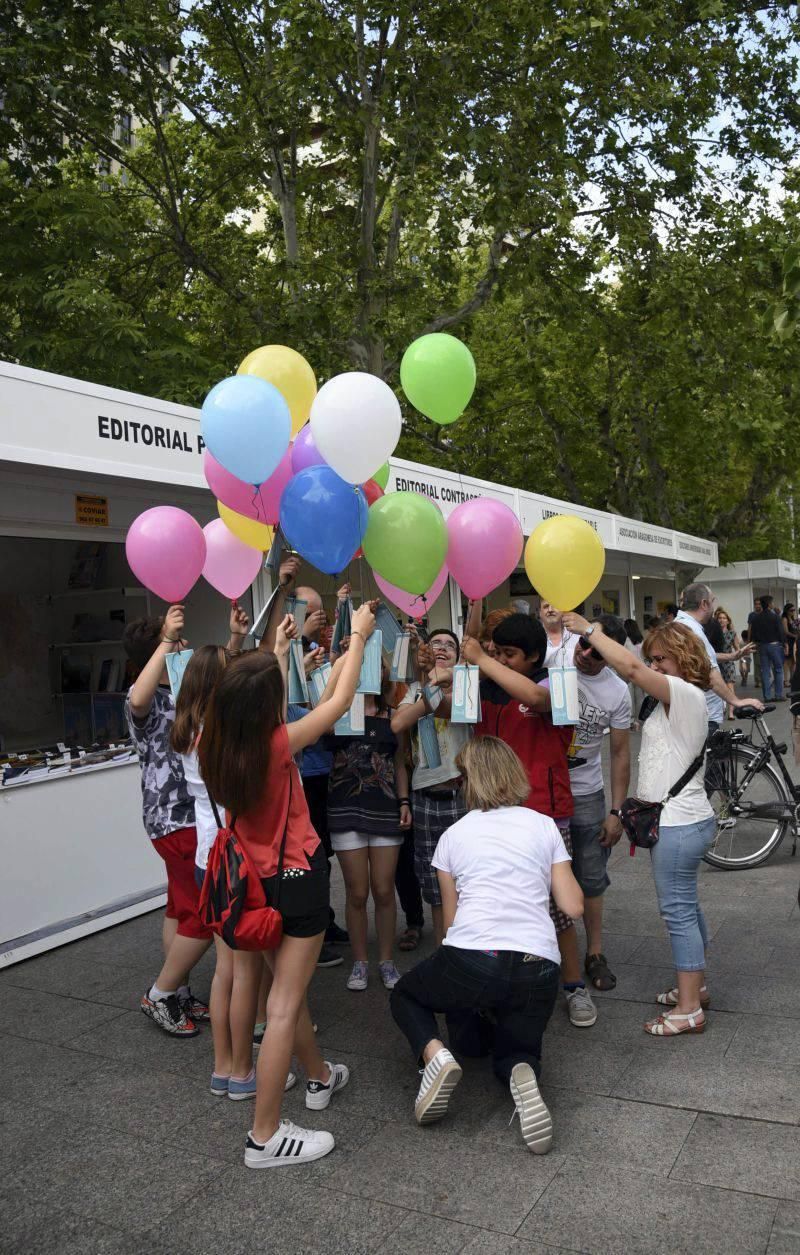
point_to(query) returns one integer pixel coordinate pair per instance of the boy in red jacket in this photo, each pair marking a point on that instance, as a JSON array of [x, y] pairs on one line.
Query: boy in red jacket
[[515, 706]]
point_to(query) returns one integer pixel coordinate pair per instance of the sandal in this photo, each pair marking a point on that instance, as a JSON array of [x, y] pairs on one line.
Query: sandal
[[669, 1025], [599, 973], [670, 998], [410, 939]]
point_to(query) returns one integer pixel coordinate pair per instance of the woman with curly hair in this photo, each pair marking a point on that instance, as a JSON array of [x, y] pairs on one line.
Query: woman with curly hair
[[673, 738]]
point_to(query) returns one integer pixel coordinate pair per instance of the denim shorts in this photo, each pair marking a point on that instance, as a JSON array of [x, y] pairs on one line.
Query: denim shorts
[[589, 857]]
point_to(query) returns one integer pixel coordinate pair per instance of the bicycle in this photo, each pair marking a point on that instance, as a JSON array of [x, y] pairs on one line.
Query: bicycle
[[755, 803]]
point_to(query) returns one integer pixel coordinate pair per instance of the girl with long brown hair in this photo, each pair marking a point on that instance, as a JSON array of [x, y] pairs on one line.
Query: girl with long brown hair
[[247, 761], [673, 738]]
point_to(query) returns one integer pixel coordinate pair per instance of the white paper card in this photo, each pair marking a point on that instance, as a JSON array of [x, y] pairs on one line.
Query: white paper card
[[564, 705]]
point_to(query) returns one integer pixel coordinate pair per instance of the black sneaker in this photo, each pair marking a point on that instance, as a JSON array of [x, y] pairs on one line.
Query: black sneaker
[[336, 936], [192, 1007], [328, 957], [167, 1014]]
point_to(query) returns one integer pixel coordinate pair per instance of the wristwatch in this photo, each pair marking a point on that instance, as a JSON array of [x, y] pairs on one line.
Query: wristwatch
[[589, 630], [614, 811]]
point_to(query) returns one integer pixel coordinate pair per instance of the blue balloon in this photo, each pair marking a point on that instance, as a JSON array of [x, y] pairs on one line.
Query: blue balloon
[[247, 426], [323, 518]]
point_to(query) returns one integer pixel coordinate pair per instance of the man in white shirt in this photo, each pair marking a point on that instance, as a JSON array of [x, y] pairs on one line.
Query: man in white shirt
[[605, 705], [698, 604], [559, 641]]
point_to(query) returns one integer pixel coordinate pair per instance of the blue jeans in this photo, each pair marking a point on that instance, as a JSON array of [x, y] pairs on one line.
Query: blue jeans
[[495, 1003], [675, 859], [771, 659]]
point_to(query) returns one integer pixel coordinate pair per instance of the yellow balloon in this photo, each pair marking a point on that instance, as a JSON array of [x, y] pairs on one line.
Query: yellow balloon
[[564, 560], [291, 375], [256, 535]]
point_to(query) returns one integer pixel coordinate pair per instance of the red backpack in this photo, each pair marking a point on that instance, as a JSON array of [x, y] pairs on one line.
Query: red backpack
[[232, 901]]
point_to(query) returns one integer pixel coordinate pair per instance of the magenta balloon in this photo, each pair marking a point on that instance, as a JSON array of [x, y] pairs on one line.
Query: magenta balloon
[[485, 545], [166, 550], [231, 565], [262, 503], [416, 607], [304, 451]]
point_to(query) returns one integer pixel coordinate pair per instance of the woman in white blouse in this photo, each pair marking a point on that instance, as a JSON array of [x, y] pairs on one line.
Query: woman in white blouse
[[672, 739]]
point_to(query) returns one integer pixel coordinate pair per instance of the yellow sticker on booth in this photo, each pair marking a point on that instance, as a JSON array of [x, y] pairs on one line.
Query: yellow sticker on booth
[[91, 511]]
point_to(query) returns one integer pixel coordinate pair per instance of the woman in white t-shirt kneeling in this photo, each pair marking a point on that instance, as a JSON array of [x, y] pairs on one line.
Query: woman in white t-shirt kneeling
[[673, 739], [500, 957]]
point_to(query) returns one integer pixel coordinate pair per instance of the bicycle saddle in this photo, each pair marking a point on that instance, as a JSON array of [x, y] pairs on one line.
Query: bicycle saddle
[[751, 712]]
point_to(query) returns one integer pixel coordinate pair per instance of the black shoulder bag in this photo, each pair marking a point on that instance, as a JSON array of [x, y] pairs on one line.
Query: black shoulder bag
[[640, 820]]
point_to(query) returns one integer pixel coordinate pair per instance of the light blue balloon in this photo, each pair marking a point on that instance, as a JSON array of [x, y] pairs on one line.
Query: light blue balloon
[[323, 518], [247, 426]]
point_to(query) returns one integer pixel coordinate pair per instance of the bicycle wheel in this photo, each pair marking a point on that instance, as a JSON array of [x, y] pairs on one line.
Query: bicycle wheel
[[745, 838]]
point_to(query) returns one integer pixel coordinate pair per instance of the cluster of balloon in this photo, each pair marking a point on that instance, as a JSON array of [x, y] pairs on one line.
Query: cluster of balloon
[[564, 560]]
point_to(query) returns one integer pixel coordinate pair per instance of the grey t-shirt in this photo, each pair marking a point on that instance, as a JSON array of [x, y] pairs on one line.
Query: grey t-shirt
[[167, 804]]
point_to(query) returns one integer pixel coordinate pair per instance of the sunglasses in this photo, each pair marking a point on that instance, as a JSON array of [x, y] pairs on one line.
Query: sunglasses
[[587, 646]]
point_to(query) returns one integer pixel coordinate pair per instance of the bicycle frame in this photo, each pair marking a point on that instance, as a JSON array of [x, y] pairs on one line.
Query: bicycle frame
[[768, 750]]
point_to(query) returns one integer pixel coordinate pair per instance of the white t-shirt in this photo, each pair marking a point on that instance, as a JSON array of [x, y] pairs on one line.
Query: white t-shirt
[[604, 702], [204, 819], [669, 746], [501, 861], [452, 738], [714, 704]]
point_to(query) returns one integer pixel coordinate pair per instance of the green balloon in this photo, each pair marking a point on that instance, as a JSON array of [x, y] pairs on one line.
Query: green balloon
[[406, 541], [438, 376], [381, 477]]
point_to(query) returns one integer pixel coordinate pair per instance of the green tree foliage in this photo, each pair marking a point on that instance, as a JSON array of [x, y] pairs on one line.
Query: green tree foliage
[[343, 176]]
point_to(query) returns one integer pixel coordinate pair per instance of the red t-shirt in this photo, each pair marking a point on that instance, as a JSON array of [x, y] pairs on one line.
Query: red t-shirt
[[541, 747], [261, 829]]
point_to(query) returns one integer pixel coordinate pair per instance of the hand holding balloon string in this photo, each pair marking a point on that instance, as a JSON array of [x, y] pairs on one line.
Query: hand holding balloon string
[[285, 634], [172, 631]]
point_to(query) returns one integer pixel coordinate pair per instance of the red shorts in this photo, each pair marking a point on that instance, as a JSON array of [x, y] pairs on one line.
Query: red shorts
[[183, 897]]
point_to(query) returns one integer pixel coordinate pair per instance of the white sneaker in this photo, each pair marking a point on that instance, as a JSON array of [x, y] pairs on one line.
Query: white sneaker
[[319, 1093], [582, 1011], [439, 1080], [289, 1145], [358, 977], [291, 1081], [535, 1121], [389, 974]]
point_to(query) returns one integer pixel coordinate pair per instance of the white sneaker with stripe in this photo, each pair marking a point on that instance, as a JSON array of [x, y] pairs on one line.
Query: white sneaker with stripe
[[318, 1095], [535, 1121], [289, 1145], [439, 1080]]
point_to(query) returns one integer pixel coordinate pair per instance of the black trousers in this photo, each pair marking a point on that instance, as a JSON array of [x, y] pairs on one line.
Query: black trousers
[[495, 1002], [407, 885]]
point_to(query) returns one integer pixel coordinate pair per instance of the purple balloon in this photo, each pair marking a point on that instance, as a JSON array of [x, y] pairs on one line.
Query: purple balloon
[[262, 503], [485, 545], [305, 452], [166, 550]]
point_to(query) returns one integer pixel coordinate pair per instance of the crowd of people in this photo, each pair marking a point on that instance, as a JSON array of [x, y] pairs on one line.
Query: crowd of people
[[502, 827]]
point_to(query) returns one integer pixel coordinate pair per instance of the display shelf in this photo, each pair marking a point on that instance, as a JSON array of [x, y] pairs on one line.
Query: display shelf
[[99, 592], [85, 644]]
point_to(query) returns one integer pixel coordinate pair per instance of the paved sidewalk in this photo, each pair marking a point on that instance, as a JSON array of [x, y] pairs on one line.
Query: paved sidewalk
[[111, 1143]]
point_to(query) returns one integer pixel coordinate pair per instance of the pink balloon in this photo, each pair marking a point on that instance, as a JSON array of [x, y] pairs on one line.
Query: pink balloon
[[166, 550], [304, 451], [413, 606], [231, 565], [485, 545], [262, 503]]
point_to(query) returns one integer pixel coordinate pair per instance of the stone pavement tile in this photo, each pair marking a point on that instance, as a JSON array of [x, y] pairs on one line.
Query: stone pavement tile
[[330, 1002], [768, 995], [668, 1075], [586, 1126], [740, 956], [640, 921], [46, 1229], [439, 1170], [745, 1155], [372, 1033], [617, 947], [39, 1016], [99, 1173], [764, 1038], [637, 982], [131, 1037], [244, 1210], [785, 1236], [21, 1134], [626, 1213], [428, 1235], [31, 1067], [70, 973], [619, 1023], [584, 1064]]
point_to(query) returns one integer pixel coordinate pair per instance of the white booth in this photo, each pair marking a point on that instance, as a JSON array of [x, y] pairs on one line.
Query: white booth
[[736, 586], [78, 462]]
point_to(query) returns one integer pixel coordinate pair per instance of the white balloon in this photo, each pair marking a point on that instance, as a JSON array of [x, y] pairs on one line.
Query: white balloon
[[356, 423]]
